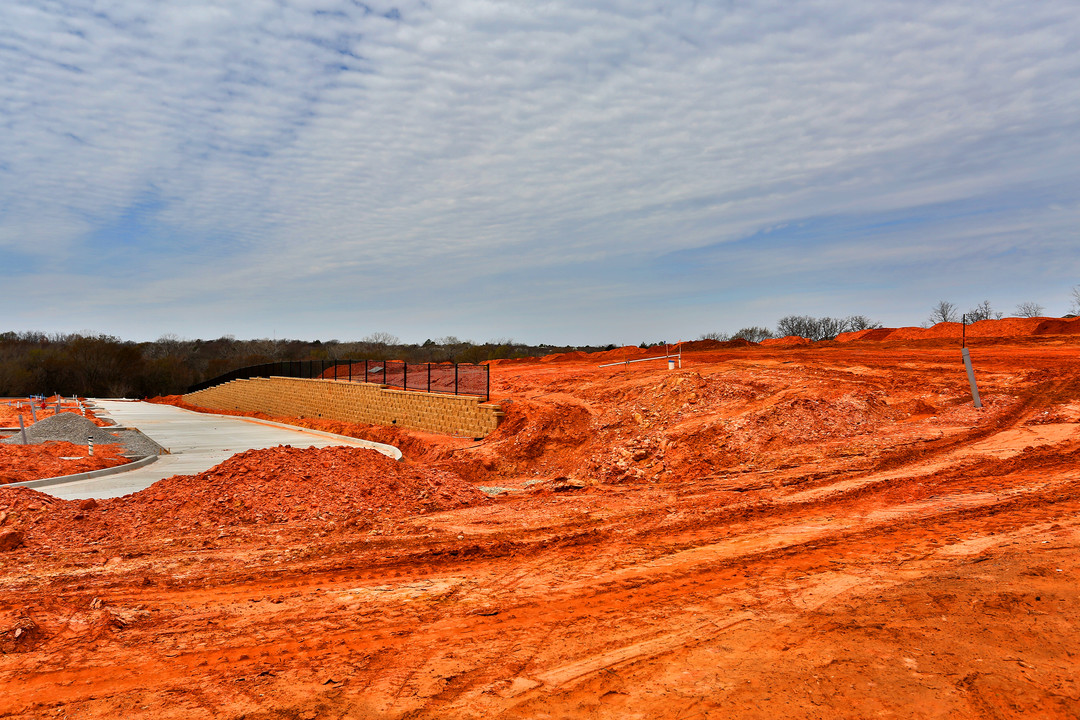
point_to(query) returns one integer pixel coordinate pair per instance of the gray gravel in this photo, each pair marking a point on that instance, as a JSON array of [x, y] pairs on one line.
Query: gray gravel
[[69, 427]]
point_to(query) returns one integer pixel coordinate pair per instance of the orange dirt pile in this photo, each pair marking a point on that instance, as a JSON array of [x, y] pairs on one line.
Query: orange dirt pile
[[19, 463], [818, 530], [9, 414], [353, 486], [1003, 328], [786, 340]]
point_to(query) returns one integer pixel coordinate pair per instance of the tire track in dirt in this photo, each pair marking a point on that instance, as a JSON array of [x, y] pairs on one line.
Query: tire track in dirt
[[651, 585]]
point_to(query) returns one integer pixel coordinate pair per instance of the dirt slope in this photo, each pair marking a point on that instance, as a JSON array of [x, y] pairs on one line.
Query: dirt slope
[[824, 530]]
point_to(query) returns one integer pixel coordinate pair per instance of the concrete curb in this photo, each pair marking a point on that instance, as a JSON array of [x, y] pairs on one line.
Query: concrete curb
[[64, 479]]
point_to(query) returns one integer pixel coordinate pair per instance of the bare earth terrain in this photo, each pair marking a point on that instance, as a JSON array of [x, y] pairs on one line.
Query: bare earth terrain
[[823, 531]]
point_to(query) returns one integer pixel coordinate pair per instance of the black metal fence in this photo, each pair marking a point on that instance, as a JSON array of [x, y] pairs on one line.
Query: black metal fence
[[451, 378]]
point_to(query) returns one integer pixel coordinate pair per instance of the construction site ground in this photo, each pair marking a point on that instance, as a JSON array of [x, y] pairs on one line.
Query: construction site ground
[[825, 530]]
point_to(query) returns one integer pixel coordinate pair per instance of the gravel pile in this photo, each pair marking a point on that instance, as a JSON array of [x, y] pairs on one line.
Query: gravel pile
[[138, 445], [72, 428]]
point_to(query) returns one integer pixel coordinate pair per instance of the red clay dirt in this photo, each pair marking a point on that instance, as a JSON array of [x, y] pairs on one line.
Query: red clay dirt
[[19, 463], [9, 413], [822, 530]]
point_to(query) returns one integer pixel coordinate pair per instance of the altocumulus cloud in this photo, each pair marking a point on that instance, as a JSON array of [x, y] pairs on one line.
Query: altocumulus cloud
[[560, 171]]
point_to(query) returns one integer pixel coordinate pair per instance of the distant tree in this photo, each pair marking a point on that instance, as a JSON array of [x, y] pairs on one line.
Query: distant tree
[[1075, 307], [753, 334], [381, 338], [860, 322], [802, 325], [721, 336], [944, 311], [982, 311], [1029, 310], [829, 327]]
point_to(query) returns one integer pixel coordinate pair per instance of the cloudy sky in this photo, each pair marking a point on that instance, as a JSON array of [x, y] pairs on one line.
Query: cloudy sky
[[565, 172]]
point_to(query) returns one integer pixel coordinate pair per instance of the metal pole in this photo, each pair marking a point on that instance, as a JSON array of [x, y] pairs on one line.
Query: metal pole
[[455, 378], [404, 376], [22, 429], [429, 377], [971, 378]]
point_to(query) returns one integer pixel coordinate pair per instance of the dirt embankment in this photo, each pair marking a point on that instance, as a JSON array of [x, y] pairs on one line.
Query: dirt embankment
[[823, 530]]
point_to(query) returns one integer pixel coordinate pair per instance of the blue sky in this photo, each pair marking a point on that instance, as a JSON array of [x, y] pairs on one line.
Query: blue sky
[[560, 172]]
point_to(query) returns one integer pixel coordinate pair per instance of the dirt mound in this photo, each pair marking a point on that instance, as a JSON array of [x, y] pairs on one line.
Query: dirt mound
[[1005, 327], [706, 345], [627, 352], [274, 485], [870, 335], [565, 357], [1055, 326], [787, 340], [286, 483], [19, 463]]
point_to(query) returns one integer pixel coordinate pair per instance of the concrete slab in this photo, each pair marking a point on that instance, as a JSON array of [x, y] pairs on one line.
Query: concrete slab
[[196, 442]]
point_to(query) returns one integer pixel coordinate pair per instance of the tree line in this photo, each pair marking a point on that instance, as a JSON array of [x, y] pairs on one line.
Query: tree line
[[34, 363], [827, 328], [807, 326], [105, 366]]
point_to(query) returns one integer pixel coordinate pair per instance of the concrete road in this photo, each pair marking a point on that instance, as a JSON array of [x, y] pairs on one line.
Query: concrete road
[[196, 442]]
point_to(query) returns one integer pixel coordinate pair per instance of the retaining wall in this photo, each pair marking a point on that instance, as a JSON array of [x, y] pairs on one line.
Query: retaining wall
[[460, 415]]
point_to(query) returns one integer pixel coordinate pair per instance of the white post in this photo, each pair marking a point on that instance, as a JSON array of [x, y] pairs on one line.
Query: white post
[[971, 378]]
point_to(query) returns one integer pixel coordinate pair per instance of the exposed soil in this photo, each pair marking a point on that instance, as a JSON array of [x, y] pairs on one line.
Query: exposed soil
[[10, 410], [19, 463], [35, 461], [814, 530]]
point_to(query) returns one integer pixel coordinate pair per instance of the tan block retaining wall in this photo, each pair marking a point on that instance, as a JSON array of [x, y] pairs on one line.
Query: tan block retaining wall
[[460, 415]]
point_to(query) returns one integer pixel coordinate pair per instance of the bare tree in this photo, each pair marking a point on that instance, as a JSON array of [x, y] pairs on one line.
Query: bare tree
[[944, 311], [802, 325], [1075, 299], [721, 336], [821, 328], [830, 327], [1029, 310], [753, 334], [982, 311], [855, 323], [381, 338]]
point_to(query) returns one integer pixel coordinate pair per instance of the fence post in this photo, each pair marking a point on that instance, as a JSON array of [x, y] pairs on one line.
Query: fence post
[[384, 372], [455, 378], [487, 377], [404, 376], [429, 377]]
